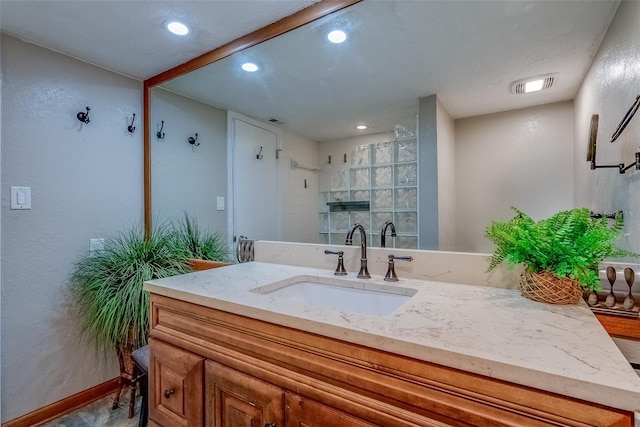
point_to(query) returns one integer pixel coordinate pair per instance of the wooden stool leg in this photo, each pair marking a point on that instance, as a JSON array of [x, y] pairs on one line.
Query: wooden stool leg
[[116, 399], [132, 401]]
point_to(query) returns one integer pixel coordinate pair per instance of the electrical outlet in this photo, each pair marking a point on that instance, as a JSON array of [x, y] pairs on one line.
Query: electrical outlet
[[96, 245]]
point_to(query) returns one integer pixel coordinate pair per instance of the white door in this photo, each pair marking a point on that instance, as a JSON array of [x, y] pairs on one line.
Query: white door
[[255, 182]]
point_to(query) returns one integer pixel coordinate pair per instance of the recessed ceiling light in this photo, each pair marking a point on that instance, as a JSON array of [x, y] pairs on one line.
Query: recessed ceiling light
[[250, 67], [533, 86], [177, 28], [337, 36], [361, 127]]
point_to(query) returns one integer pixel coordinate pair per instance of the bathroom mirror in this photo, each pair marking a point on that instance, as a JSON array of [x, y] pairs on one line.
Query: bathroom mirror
[[398, 54]]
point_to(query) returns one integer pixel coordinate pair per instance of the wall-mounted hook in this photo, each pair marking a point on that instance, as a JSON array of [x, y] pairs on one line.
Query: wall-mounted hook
[[193, 140], [131, 128], [160, 134], [84, 117], [259, 156]]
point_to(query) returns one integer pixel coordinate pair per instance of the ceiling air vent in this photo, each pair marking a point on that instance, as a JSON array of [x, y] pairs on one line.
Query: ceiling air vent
[[274, 121], [533, 84]]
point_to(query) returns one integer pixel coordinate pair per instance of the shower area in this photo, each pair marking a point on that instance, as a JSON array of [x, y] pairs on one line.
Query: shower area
[[370, 180]]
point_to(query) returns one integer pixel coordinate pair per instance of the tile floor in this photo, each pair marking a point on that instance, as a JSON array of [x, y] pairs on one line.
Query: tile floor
[[100, 414]]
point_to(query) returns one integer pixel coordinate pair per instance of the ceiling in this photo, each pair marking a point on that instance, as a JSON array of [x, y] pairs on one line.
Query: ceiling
[[128, 37], [467, 52]]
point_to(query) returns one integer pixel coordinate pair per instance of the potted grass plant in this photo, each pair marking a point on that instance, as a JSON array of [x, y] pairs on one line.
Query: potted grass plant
[[107, 286], [561, 255], [201, 247]]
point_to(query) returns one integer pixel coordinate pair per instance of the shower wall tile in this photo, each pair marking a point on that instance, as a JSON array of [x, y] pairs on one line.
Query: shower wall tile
[[386, 175], [382, 177], [406, 198], [383, 153], [360, 178], [406, 175], [361, 156], [406, 151]]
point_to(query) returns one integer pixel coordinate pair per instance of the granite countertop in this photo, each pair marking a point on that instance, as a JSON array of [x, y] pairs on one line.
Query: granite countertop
[[484, 330]]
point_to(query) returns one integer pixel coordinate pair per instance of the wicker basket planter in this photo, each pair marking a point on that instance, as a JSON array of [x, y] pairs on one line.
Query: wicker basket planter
[[547, 287]]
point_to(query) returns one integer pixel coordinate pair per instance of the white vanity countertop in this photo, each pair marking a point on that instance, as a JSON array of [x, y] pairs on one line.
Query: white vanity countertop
[[488, 331]]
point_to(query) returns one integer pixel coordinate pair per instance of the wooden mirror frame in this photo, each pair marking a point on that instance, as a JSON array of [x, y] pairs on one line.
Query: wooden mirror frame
[[291, 22]]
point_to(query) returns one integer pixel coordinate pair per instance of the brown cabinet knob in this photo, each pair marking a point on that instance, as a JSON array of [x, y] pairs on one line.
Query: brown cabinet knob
[[168, 393]]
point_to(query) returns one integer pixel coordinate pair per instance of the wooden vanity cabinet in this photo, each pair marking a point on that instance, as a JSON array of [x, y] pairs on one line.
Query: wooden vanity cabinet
[[301, 412], [239, 400], [236, 399], [175, 385], [232, 370]]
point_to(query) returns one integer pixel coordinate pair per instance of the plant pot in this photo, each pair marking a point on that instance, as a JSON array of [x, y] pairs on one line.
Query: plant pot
[[547, 287]]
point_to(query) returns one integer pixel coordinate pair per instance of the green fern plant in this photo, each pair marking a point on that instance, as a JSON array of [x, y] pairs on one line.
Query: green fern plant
[[569, 244]]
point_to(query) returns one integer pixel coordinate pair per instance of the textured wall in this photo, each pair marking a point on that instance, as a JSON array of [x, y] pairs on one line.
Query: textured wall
[[446, 178], [1, 190], [519, 158], [428, 173], [609, 88], [185, 177], [85, 182], [299, 204]]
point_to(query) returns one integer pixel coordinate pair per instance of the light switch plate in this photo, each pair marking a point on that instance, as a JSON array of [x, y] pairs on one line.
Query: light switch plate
[[20, 198], [220, 203]]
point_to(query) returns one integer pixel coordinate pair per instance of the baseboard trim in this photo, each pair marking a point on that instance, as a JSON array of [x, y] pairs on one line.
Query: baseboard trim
[[64, 406]]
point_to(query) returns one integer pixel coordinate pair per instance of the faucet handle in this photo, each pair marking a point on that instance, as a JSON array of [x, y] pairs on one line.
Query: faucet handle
[[391, 275], [340, 271]]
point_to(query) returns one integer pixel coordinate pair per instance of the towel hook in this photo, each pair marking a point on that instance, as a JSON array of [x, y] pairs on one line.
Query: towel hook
[[84, 117], [259, 156], [193, 140], [131, 128], [160, 134]]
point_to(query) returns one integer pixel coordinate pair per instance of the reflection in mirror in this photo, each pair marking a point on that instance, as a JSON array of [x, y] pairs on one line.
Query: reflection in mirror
[[448, 146]]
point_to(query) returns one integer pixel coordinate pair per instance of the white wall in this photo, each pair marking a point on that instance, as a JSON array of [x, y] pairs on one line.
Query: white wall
[[446, 178], [609, 88], [299, 204], [520, 158], [185, 177], [428, 197], [85, 182], [1, 187]]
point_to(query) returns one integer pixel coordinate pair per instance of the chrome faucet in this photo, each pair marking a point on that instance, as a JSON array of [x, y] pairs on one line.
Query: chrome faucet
[[386, 225], [364, 271]]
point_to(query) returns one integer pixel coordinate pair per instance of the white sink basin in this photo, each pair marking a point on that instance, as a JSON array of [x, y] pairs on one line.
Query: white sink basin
[[358, 296]]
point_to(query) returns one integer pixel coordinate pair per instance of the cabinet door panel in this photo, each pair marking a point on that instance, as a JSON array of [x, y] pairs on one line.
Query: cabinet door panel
[[301, 412], [175, 385], [235, 399]]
